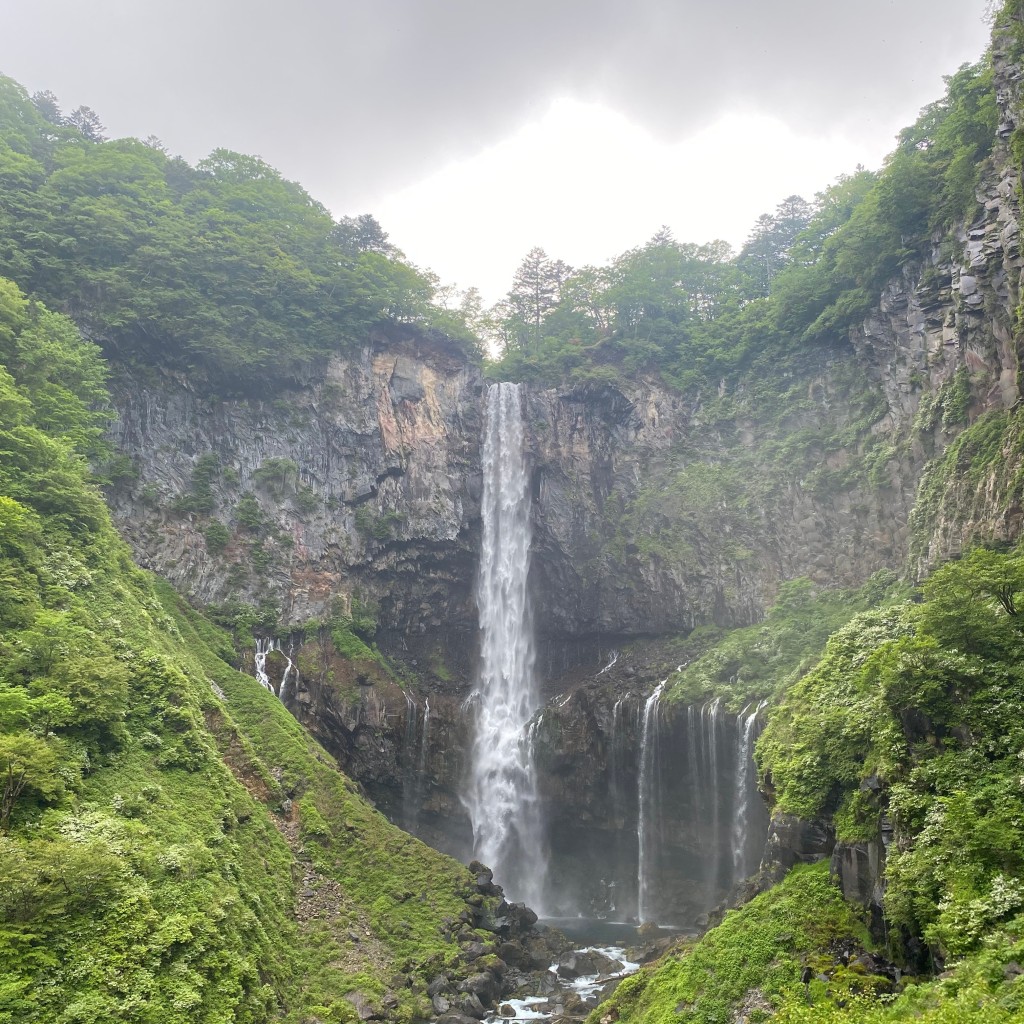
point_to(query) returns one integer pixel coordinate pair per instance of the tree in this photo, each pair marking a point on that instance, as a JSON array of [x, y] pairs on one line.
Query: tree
[[767, 250], [27, 765], [362, 234], [536, 290], [46, 103], [87, 121]]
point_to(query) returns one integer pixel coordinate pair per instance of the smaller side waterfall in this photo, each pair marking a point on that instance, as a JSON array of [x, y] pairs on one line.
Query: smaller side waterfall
[[647, 815], [414, 761], [614, 762], [263, 648], [266, 646], [283, 692], [424, 746], [746, 791], [711, 717], [410, 810]]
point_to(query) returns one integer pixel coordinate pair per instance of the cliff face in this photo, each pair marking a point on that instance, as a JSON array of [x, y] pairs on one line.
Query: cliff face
[[655, 514], [364, 483]]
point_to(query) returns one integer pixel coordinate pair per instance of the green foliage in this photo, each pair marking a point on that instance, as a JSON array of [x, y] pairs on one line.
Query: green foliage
[[248, 512], [371, 524], [201, 498], [980, 465], [306, 500], [225, 265], [352, 630], [929, 699], [277, 475], [754, 663], [217, 536], [147, 874], [761, 948]]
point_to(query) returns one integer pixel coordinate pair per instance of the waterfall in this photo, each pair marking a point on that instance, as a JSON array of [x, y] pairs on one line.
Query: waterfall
[[710, 716], [410, 810], [647, 798], [614, 756], [263, 648], [613, 659], [283, 692], [746, 790], [424, 746], [501, 795], [414, 763]]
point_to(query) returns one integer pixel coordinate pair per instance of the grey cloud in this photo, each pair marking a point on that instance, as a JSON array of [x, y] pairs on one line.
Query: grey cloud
[[356, 98]]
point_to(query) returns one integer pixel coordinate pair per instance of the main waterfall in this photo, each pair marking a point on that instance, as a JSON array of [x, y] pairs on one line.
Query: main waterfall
[[501, 795]]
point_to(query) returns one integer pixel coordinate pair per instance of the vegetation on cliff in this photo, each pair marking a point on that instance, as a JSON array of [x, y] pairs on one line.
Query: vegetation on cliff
[[915, 712], [756, 663], [910, 720], [173, 846], [696, 314], [225, 268], [752, 967]]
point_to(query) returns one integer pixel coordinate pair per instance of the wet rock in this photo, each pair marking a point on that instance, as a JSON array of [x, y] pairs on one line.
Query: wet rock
[[516, 956], [438, 984], [604, 964], [547, 983], [472, 1006], [792, 840], [363, 1006], [572, 966], [483, 986], [473, 951], [572, 1002]]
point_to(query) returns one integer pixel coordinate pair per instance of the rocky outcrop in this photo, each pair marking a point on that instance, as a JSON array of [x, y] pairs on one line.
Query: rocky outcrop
[[944, 348], [654, 516], [363, 483]]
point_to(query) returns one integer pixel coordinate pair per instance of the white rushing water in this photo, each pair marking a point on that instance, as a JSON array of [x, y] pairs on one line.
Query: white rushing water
[[711, 715], [501, 796], [648, 799], [424, 744], [263, 648], [283, 692], [746, 790]]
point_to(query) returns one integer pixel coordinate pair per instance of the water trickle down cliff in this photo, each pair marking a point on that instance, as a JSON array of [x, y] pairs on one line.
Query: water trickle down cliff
[[501, 793]]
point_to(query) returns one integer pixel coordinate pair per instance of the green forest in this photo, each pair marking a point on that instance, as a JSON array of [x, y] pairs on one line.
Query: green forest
[[162, 815]]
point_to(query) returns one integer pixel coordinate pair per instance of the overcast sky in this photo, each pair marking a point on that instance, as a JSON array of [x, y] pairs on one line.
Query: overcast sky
[[474, 129]]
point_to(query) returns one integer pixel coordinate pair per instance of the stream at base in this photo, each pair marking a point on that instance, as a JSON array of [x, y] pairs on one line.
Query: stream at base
[[604, 953], [573, 986]]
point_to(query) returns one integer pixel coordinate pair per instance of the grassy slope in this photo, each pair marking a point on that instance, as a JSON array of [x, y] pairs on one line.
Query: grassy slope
[[180, 851], [749, 968]]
